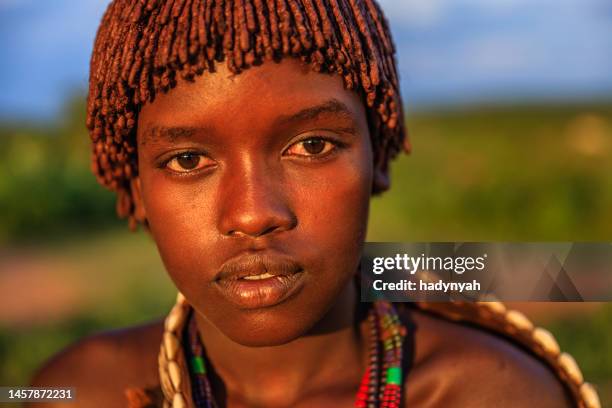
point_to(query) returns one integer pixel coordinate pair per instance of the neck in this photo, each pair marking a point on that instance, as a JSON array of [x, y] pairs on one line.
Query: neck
[[267, 376]]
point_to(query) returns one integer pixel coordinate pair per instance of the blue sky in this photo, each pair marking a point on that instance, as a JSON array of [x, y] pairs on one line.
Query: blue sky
[[450, 51]]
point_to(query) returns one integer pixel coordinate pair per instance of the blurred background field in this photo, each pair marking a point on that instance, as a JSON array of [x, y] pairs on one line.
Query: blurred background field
[[509, 106]]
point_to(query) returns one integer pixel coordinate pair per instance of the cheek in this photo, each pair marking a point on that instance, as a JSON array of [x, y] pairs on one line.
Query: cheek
[[181, 221], [332, 209], [336, 207]]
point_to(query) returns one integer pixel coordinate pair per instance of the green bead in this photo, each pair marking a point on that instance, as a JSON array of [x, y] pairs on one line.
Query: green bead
[[197, 365], [394, 375]]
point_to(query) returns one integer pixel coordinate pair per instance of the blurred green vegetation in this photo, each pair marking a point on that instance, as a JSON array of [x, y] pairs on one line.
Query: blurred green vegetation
[[46, 188], [514, 173], [524, 173]]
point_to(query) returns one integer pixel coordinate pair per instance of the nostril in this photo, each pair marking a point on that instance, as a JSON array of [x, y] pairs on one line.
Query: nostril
[[262, 232], [256, 230], [269, 230]]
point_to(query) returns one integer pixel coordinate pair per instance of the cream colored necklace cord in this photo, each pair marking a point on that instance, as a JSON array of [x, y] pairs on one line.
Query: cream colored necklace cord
[[173, 372]]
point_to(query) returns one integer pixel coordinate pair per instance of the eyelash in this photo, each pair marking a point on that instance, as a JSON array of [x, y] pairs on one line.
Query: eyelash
[[336, 146], [165, 162]]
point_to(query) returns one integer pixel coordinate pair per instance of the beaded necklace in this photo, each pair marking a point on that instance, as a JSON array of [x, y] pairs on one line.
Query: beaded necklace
[[177, 389], [381, 386]]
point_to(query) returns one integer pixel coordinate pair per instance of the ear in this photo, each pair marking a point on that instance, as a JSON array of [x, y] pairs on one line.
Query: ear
[[380, 176], [381, 180], [140, 213]]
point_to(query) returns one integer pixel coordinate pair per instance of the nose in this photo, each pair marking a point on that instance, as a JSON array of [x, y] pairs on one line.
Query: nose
[[253, 203]]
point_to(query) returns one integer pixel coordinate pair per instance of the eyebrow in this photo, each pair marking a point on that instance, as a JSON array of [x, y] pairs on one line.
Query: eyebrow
[[175, 133], [172, 134], [332, 106]]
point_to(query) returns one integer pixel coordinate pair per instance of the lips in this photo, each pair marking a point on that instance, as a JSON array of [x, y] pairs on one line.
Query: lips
[[253, 281]]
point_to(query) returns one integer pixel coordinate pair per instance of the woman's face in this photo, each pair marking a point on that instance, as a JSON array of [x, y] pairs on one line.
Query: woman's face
[[256, 188]]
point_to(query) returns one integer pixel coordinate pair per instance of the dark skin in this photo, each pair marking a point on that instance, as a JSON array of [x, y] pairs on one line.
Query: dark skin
[[252, 164]]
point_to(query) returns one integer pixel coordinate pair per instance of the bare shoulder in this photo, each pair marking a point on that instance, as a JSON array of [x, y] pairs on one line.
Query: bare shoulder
[[101, 366], [458, 365]]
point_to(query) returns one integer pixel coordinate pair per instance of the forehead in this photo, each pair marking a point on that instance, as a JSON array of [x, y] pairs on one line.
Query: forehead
[[256, 97]]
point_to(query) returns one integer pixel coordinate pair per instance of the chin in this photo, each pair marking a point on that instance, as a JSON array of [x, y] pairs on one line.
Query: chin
[[267, 328]]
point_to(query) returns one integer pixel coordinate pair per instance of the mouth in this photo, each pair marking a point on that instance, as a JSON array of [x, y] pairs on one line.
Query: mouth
[[253, 281], [259, 277]]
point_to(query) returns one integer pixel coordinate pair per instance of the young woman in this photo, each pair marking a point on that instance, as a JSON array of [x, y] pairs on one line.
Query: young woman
[[247, 137]]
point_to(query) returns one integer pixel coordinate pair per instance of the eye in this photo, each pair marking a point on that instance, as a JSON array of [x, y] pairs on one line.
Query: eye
[[314, 146], [188, 162]]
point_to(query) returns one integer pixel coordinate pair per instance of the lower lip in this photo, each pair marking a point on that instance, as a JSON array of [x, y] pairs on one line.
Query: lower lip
[[255, 294]]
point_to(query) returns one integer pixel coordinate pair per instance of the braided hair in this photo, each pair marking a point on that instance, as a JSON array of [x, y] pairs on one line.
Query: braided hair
[[144, 47]]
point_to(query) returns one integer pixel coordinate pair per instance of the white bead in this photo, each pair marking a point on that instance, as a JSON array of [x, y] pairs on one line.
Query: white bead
[[519, 320], [175, 318], [589, 395], [163, 375], [175, 374], [495, 307], [178, 401], [545, 339], [171, 344], [569, 365]]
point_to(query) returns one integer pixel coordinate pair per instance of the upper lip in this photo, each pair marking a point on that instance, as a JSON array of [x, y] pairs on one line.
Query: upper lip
[[250, 264]]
